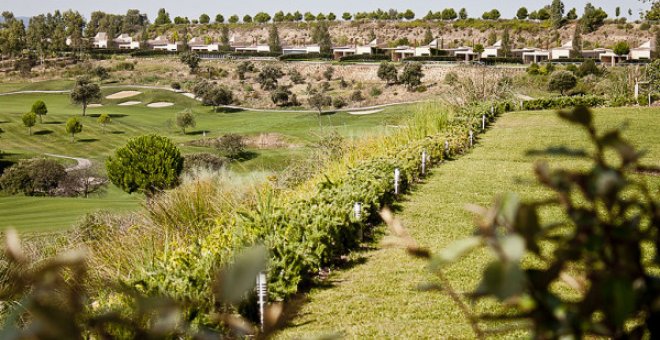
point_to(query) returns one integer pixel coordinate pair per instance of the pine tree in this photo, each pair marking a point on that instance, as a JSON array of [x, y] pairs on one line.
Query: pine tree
[[557, 13], [506, 42], [428, 36], [274, 39], [577, 41]]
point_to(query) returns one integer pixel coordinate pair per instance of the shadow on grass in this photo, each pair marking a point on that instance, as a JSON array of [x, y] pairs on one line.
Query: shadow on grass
[[4, 121], [196, 133], [54, 122], [42, 132], [111, 115], [87, 140], [246, 156], [4, 164], [227, 110], [116, 132]]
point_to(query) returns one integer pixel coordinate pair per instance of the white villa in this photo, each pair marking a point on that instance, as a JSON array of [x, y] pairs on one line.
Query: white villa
[[644, 51], [563, 52], [534, 55], [370, 48], [161, 43], [463, 53], [200, 44], [492, 51], [100, 40], [252, 48], [125, 41], [301, 49]]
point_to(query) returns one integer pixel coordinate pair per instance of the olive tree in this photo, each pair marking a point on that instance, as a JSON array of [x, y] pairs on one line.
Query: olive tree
[[412, 75], [562, 81], [268, 77], [185, 119], [84, 92], [146, 164], [191, 59], [73, 126], [104, 119], [29, 120], [40, 109], [388, 73]]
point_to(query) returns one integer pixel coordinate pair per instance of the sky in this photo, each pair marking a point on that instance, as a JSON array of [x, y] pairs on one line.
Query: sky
[[193, 8]]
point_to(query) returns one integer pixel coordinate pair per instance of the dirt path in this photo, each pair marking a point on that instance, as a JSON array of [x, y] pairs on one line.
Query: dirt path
[[83, 163]]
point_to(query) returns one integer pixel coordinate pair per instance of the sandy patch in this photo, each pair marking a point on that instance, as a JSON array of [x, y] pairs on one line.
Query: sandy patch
[[189, 95], [123, 94], [130, 103], [160, 104], [94, 105], [364, 112]]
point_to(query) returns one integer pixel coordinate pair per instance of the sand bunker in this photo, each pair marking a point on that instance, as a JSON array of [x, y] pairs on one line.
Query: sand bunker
[[94, 105], [189, 95], [364, 112], [129, 103], [123, 94], [160, 104]]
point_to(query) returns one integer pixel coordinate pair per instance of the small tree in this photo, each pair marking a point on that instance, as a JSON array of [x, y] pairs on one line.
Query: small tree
[[184, 120], [522, 13], [388, 73], [32, 176], [243, 68], [146, 164], [219, 18], [280, 96], [557, 13], [328, 73], [412, 75], [506, 42], [219, 95], [462, 14], [347, 16], [621, 48], [318, 101], [204, 19], [39, 107], [103, 120], [191, 59], [85, 92], [73, 126], [269, 76], [562, 81], [29, 120], [296, 77]]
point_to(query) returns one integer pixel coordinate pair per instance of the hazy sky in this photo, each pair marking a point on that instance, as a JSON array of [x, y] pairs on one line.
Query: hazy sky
[[193, 8]]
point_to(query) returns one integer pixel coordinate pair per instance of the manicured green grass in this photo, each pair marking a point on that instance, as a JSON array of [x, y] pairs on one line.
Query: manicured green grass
[[379, 298], [47, 85], [300, 129]]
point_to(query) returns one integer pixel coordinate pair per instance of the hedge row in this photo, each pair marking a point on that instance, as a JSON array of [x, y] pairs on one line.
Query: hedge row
[[563, 102], [573, 60], [305, 56], [304, 232], [431, 58], [501, 60], [366, 57]]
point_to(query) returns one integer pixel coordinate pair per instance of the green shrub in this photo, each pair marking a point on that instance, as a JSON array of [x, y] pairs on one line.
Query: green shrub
[[33, 177], [146, 164], [501, 60], [563, 102], [366, 58], [305, 56], [375, 91]]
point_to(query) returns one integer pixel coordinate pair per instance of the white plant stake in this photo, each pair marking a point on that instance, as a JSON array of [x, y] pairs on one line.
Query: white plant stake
[[471, 138], [447, 146], [397, 174], [357, 210], [492, 109], [483, 122], [424, 162], [262, 295]]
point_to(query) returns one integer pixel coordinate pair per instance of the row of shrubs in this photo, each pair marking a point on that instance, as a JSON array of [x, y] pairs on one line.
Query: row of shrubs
[[431, 58], [310, 227], [501, 60], [305, 56], [366, 57], [563, 102]]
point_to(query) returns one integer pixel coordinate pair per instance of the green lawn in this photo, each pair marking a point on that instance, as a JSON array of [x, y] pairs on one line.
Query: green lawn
[[378, 298], [30, 213]]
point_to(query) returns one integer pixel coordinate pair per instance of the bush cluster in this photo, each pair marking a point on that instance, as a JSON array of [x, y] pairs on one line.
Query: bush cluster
[[563, 102], [431, 58], [305, 56], [366, 57], [501, 60]]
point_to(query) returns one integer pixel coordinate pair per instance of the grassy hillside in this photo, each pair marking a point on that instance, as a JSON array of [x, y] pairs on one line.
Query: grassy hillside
[[378, 297], [32, 213]]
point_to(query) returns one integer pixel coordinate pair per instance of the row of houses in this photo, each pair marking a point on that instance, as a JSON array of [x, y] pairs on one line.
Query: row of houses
[[528, 55]]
